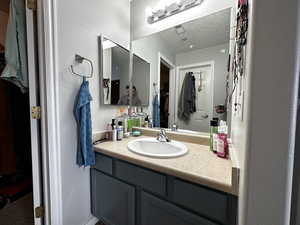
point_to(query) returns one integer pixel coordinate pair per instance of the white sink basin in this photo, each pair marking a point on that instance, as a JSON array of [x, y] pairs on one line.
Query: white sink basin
[[153, 148]]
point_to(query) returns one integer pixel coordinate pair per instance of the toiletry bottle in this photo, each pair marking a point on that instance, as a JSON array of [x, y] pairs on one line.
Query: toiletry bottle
[[213, 130], [134, 120], [222, 147], [138, 121], [222, 143], [129, 124], [150, 123], [223, 127], [122, 111], [216, 135], [215, 142], [109, 132], [125, 124], [216, 119], [114, 130], [120, 131], [146, 123]]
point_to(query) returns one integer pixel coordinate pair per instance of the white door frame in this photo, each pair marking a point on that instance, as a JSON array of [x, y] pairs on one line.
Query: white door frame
[[37, 183], [172, 82], [49, 101], [188, 66]]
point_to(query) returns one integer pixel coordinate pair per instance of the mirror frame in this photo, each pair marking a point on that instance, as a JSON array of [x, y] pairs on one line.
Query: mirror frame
[[100, 49]]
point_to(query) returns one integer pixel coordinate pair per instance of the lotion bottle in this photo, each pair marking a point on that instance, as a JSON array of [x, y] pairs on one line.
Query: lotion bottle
[[120, 132], [114, 130], [213, 132]]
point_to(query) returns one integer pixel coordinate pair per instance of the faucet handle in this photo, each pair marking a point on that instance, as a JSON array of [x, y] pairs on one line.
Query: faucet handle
[[174, 127], [162, 136]]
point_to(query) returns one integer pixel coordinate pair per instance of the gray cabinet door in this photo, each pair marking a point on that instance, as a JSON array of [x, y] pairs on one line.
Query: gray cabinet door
[[204, 201], [159, 212], [113, 201]]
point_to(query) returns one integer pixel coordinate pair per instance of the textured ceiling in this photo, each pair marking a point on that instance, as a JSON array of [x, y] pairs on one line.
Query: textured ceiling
[[202, 33]]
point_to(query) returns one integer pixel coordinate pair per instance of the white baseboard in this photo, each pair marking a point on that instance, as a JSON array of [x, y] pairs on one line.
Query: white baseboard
[[92, 221]]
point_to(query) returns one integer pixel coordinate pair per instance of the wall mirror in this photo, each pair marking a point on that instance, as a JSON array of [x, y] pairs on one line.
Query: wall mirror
[[114, 64], [115, 79], [188, 69]]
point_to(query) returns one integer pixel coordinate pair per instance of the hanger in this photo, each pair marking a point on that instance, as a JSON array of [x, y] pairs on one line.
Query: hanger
[[80, 59], [154, 88]]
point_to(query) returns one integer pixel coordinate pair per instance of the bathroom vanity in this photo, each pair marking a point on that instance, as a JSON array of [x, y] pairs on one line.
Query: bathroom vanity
[[130, 189], [181, 70]]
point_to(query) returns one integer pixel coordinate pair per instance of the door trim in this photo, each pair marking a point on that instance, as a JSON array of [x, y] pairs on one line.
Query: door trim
[[36, 154], [188, 66], [50, 125]]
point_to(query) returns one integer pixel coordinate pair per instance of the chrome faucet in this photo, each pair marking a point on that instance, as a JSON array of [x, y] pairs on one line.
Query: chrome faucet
[[162, 136]]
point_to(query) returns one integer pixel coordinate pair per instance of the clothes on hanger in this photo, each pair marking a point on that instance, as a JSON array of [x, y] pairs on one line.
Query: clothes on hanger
[[164, 107], [16, 46], [187, 98], [156, 111]]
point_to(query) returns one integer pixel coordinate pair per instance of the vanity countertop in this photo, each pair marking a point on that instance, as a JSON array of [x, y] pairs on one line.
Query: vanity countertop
[[199, 165]]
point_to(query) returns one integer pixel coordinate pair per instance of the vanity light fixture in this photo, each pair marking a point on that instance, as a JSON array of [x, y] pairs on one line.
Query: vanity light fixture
[[167, 8]]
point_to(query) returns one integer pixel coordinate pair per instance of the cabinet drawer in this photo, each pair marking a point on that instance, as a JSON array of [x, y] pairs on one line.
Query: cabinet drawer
[[159, 212], [103, 163], [144, 178], [201, 200]]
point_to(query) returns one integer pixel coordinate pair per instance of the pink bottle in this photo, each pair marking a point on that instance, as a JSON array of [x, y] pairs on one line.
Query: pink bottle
[[222, 146]]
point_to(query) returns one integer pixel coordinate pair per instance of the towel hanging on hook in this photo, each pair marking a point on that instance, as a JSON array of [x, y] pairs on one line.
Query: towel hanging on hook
[[79, 59]]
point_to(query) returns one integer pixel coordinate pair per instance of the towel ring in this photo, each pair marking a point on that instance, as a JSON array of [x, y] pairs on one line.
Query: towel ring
[[80, 59]]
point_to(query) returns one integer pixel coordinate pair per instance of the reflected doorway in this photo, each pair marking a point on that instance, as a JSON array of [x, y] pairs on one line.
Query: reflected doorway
[[204, 77], [164, 95]]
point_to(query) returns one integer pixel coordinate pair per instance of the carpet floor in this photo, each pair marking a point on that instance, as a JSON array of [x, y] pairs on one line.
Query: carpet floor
[[19, 212]]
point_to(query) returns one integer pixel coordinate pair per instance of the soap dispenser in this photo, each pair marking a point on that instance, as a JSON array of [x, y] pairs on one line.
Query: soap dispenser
[[114, 130]]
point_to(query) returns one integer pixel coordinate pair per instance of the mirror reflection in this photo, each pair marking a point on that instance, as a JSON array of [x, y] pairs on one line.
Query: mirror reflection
[[115, 73], [115, 76], [188, 72], [140, 81]]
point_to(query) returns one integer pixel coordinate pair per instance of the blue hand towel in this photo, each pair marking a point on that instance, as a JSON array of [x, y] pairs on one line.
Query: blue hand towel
[[156, 111], [82, 112]]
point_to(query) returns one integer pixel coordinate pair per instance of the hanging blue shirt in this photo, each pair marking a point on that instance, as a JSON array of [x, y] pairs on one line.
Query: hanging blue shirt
[[156, 111], [82, 112]]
